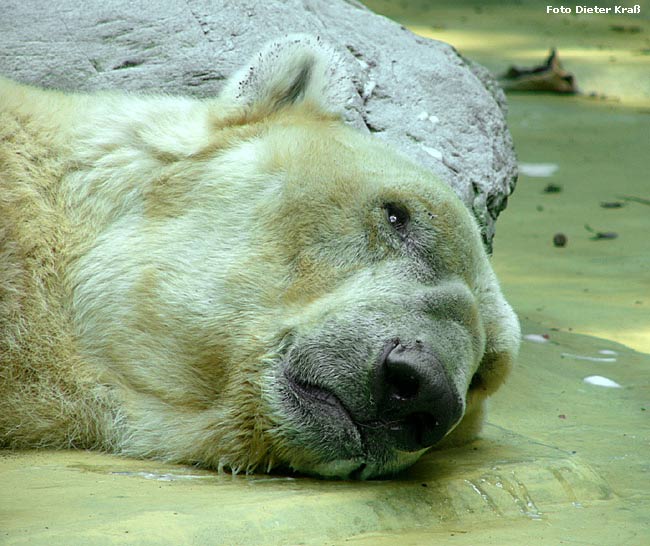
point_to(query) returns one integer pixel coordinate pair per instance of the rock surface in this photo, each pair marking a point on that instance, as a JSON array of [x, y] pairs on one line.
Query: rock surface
[[418, 94]]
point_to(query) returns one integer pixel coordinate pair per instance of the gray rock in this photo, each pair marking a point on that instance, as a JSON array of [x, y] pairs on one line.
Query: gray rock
[[418, 94]]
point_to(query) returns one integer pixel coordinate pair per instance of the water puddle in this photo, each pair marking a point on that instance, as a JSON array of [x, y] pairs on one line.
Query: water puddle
[[601, 381], [589, 358], [538, 170]]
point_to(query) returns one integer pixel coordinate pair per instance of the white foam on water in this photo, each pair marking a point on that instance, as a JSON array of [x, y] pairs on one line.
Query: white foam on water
[[538, 170], [536, 338], [601, 381], [589, 358]]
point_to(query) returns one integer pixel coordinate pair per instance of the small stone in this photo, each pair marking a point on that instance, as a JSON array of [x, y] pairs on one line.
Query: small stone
[[559, 239], [553, 188]]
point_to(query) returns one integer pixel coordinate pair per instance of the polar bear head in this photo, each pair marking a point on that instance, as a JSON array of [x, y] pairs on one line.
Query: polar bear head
[[390, 329], [286, 292]]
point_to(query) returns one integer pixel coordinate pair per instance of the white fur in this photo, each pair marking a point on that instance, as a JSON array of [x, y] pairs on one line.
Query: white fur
[[313, 66]]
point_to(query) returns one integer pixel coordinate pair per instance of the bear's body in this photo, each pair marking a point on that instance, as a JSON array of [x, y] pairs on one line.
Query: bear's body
[[242, 282]]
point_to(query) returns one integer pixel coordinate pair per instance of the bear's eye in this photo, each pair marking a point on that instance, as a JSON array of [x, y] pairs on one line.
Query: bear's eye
[[398, 216]]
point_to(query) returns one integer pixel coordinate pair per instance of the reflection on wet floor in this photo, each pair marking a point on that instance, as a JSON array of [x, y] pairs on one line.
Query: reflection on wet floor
[[538, 170]]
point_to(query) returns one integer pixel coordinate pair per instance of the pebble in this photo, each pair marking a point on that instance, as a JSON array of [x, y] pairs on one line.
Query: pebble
[[559, 239], [553, 188]]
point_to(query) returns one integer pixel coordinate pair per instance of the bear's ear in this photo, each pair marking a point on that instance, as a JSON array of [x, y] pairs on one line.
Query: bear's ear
[[296, 69]]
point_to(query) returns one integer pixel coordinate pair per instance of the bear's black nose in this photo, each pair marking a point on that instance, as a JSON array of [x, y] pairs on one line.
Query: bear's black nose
[[416, 403]]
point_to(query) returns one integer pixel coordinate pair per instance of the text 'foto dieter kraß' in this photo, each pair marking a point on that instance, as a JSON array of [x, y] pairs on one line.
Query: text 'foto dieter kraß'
[[622, 10]]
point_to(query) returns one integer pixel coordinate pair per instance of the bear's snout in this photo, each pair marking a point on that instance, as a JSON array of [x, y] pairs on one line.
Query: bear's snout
[[416, 401]]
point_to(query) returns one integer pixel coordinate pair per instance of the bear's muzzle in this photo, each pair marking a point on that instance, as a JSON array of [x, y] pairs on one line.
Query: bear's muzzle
[[413, 403], [416, 402]]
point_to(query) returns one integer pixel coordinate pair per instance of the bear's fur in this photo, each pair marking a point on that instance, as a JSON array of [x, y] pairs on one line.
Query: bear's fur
[[215, 282]]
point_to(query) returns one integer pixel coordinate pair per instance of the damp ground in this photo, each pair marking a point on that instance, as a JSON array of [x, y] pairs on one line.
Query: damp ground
[[561, 460]]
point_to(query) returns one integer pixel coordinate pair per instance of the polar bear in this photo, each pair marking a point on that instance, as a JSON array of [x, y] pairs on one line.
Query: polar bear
[[243, 283]]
